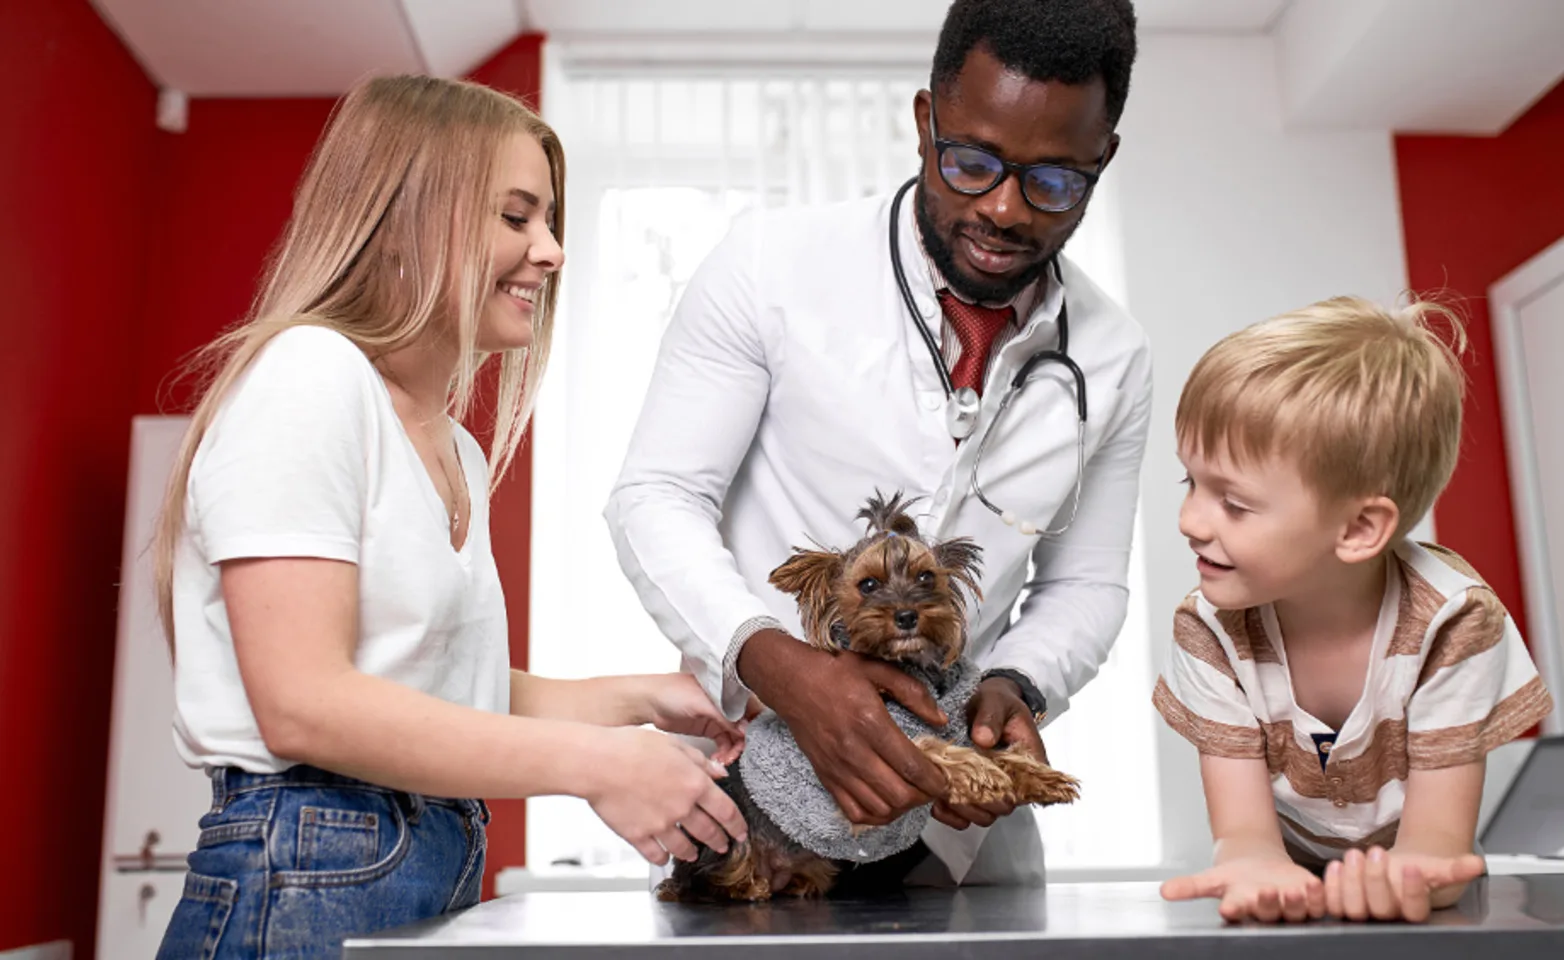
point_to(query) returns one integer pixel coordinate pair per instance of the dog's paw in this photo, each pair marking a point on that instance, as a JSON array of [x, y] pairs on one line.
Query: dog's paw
[[973, 778], [1033, 781]]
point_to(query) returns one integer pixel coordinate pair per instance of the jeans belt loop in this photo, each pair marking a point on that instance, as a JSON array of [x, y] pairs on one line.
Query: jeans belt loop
[[415, 806]]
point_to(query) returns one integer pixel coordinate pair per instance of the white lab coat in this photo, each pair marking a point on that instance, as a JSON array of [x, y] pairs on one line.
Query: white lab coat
[[791, 384]]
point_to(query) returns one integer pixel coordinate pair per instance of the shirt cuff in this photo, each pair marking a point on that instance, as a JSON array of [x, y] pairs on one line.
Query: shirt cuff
[[1030, 695], [730, 660]]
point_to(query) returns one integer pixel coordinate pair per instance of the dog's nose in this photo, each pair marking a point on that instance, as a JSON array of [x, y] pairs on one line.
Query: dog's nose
[[906, 619]]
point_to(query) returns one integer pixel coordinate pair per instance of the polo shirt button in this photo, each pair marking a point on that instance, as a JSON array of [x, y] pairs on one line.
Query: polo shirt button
[[1340, 802], [1335, 781]]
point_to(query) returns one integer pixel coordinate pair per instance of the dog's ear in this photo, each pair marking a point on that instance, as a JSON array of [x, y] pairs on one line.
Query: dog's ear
[[889, 516], [809, 575], [962, 558]]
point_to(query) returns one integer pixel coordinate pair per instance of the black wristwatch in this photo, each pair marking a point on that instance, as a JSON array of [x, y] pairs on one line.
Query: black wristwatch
[[1030, 695]]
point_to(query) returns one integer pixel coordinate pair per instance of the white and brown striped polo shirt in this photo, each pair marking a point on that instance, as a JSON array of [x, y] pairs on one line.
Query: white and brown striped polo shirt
[[1449, 679]]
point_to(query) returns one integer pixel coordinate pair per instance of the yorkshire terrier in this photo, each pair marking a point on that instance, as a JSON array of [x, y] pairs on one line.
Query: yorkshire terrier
[[896, 597]]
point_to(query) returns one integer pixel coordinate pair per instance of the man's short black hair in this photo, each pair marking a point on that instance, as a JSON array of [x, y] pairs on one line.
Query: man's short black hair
[[1069, 41]]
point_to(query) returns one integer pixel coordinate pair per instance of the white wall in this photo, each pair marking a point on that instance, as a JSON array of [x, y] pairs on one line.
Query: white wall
[[1228, 217]]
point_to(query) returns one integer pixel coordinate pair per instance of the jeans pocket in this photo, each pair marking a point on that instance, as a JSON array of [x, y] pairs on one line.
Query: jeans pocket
[[201, 916], [332, 839], [340, 845]]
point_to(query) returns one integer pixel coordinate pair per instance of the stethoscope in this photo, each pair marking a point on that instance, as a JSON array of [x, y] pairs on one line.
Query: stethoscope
[[962, 406]]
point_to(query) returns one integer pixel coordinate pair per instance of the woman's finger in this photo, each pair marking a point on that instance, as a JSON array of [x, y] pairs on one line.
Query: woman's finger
[[721, 808], [651, 850], [700, 827], [677, 844]]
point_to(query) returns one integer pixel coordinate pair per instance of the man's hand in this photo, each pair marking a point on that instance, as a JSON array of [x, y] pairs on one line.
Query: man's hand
[[998, 718], [834, 707]]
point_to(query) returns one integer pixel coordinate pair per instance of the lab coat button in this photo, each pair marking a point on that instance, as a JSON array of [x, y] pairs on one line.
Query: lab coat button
[[941, 497], [931, 401]]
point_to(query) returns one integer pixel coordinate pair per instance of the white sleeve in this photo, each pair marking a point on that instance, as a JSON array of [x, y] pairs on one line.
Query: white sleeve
[[703, 406], [283, 468], [1075, 603]]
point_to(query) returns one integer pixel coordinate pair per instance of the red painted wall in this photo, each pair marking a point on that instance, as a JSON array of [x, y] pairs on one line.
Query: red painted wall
[[77, 145], [1474, 209], [122, 248]]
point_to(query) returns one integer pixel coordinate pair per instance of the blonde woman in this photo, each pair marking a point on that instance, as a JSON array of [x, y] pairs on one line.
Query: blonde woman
[[324, 565]]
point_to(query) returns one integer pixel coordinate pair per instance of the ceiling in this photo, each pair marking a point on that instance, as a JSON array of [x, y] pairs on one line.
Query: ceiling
[[288, 48], [1458, 66]]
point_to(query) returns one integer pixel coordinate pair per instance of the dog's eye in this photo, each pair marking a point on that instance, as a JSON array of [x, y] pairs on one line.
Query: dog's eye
[[926, 577], [868, 585]]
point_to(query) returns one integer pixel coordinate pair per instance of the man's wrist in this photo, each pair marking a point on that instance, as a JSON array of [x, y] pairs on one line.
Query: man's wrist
[[740, 639], [1036, 703], [758, 661]]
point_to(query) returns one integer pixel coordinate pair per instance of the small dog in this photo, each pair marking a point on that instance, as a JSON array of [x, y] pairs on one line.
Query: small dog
[[895, 597]]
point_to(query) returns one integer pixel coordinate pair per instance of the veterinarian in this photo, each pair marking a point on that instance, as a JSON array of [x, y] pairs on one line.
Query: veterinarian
[[819, 354]]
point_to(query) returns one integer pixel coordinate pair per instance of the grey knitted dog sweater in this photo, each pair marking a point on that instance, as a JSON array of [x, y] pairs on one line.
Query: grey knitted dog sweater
[[782, 782]]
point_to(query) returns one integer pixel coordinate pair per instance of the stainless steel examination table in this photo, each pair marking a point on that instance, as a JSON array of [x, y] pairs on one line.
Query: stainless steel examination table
[[1500, 918]]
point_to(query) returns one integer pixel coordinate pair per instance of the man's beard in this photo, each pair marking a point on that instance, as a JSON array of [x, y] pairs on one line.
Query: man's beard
[[980, 289]]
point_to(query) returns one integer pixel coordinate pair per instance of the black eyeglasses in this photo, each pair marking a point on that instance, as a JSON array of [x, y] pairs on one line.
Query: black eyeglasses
[[975, 171]]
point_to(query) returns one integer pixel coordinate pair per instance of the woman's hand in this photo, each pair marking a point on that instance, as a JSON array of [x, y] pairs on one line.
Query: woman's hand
[[1265, 889], [659, 794], [675, 703], [1392, 885]]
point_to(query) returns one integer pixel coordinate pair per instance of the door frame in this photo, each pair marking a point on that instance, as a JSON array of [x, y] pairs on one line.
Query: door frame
[[1506, 298]]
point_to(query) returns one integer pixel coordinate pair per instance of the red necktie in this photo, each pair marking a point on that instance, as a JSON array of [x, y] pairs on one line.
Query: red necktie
[[976, 327]]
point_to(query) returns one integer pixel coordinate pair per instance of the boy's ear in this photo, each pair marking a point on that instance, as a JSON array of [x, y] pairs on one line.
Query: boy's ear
[[1369, 531]]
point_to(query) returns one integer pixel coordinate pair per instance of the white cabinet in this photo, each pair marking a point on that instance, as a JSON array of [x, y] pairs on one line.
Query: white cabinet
[[134, 912], [153, 799]]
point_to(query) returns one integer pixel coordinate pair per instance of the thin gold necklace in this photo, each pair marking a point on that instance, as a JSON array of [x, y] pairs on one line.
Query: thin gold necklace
[[456, 500]]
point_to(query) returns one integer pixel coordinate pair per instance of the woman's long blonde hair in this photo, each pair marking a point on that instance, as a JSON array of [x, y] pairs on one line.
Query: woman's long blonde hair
[[391, 232]]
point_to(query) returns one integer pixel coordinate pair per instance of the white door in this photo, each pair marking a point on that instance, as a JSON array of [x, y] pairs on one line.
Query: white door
[[153, 799], [1528, 330]]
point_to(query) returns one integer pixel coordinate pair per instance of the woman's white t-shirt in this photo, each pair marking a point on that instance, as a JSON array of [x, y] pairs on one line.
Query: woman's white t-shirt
[[306, 458]]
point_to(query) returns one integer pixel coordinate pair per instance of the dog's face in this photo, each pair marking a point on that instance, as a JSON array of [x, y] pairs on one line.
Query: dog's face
[[891, 596]]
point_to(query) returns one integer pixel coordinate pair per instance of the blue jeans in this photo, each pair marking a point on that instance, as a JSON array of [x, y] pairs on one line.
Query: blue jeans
[[291, 864]]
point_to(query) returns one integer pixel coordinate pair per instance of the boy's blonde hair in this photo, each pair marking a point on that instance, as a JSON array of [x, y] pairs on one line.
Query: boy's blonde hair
[[1365, 399], [391, 235]]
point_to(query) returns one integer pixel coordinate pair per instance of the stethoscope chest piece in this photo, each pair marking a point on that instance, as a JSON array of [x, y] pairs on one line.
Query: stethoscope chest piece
[[961, 412]]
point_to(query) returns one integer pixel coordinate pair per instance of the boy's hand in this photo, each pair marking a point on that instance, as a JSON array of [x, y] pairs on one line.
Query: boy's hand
[[1264, 889], [1390, 885]]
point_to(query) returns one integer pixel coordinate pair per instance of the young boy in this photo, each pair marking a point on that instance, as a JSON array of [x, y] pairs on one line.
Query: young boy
[[1342, 683]]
